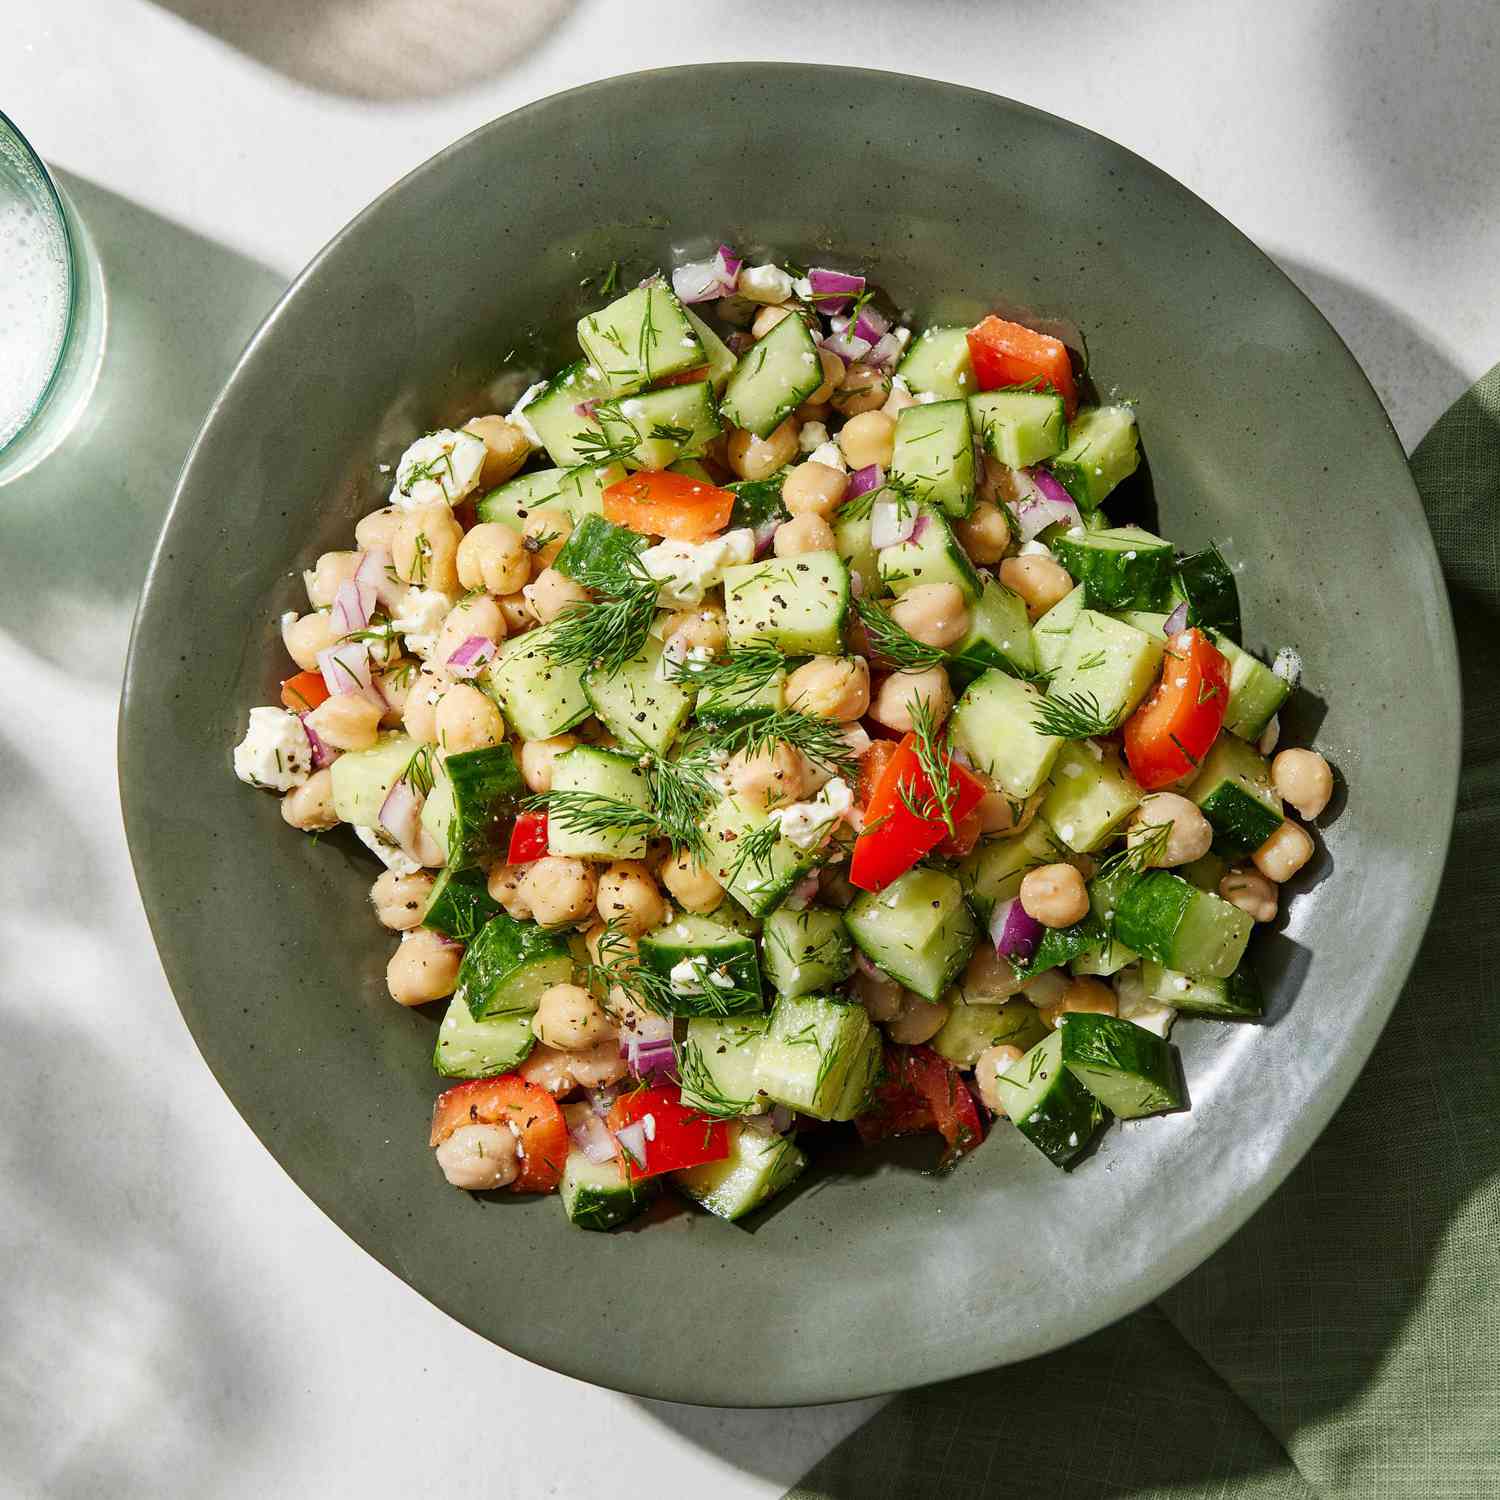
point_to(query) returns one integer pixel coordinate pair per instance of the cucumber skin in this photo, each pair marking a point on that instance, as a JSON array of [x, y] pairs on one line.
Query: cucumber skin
[[460, 904], [1241, 823], [1206, 581], [737, 957], [1063, 1123], [1113, 581], [487, 791], [757, 502], [517, 1030], [1061, 945], [601, 548], [1151, 910], [1109, 1045], [504, 949]]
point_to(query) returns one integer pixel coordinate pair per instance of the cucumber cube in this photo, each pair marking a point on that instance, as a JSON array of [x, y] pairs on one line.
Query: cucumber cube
[[758, 1167], [1107, 663], [600, 550], [472, 802], [467, 1048], [1051, 632], [1237, 997], [796, 603], [930, 555], [999, 636], [506, 968], [1020, 428], [813, 1047], [758, 885], [1092, 795], [993, 724], [1233, 790], [639, 703], [934, 452], [1121, 567], [716, 1063], [852, 539], [604, 774], [720, 357], [1255, 691], [918, 929], [1129, 1070], [574, 493], [599, 1195], [710, 969], [938, 361], [540, 697], [805, 951], [773, 378], [994, 871], [568, 437], [655, 428], [459, 904], [1161, 916], [640, 338], [970, 1029], [1102, 450], [362, 779], [1048, 1105]]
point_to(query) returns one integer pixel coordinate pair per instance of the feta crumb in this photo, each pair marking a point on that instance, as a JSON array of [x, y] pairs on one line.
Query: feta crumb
[[516, 419], [648, 1126], [812, 437], [275, 753], [420, 617], [830, 454], [1035, 549], [685, 571], [805, 825], [388, 852], [1269, 736], [442, 466]]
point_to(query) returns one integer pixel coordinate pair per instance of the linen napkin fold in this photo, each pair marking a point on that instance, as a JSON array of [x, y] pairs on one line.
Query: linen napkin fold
[[1346, 1342]]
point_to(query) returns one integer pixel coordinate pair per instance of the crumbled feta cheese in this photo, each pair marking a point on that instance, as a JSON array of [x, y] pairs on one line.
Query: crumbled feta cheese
[[444, 466], [387, 851], [1288, 666], [275, 753], [692, 975], [812, 437], [516, 419], [1035, 549], [768, 284], [830, 454], [648, 1123], [803, 288], [686, 571], [420, 617], [806, 824]]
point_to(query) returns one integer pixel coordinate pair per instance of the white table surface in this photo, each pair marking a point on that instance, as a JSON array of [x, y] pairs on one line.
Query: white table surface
[[175, 1318]]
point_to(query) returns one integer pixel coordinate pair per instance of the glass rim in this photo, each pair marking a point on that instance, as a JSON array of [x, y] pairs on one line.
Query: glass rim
[[60, 211]]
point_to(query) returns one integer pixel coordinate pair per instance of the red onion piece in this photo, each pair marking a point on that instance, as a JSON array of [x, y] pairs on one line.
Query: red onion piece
[[352, 607], [471, 658], [401, 814], [632, 1143], [923, 525], [765, 535], [847, 346], [1176, 621], [776, 1121], [891, 523], [1014, 930], [322, 754], [872, 476], [730, 264], [377, 571], [702, 281], [1049, 505], [866, 968], [886, 352], [956, 752], [871, 325], [592, 1138], [585, 409], [346, 669], [600, 1100], [803, 892], [1051, 487], [856, 738], [833, 291]]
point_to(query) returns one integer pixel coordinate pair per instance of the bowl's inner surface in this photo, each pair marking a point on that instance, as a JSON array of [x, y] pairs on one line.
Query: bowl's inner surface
[[1260, 433]]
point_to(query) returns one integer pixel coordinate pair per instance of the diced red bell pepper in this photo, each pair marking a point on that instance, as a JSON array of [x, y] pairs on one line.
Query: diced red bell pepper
[[1007, 354], [304, 692], [902, 818], [531, 1111], [658, 503], [922, 1092], [528, 839], [1171, 732], [961, 842], [872, 764], [675, 1136]]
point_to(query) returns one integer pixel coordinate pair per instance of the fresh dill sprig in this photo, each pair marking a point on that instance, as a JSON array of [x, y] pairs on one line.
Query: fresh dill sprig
[[611, 280], [1072, 716], [897, 488], [937, 767], [755, 850], [420, 774], [821, 740], [892, 644], [667, 432], [1135, 859], [698, 1080], [681, 795], [593, 814], [611, 631], [742, 673], [1090, 663], [618, 966]]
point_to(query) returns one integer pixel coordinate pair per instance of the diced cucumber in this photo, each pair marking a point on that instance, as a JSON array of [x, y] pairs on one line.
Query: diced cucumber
[[993, 724], [759, 885], [1255, 691], [472, 803], [1108, 662], [1020, 428], [540, 697], [1051, 632], [720, 356], [1122, 567], [362, 779], [1065, 945], [1161, 916], [773, 378], [467, 1048], [506, 968], [1237, 997], [931, 554], [718, 708], [934, 452], [757, 503], [812, 1048], [1206, 873], [970, 1029], [693, 468], [710, 969], [639, 338], [599, 1195], [716, 1063], [918, 929], [1109, 958], [864, 1073], [460, 903], [598, 773], [852, 539], [1206, 581], [568, 437], [938, 361], [655, 428], [999, 636], [1234, 792], [576, 492], [1092, 795], [796, 603], [1102, 450], [598, 549], [1129, 1070], [758, 1166], [994, 871], [1048, 1105], [638, 702], [806, 950]]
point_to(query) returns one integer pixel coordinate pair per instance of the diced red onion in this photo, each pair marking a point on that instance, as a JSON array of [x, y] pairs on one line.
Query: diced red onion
[[648, 1048], [1014, 930], [833, 291], [924, 524], [891, 523], [1048, 505], [401, 814], [376, 570], [856, 738], [585, 409], [803, 892], [632, 1143], [346, 669], [1050, 486], [886, 352], [591, 1137], [322, 754], [871, 325], [730, 264], [470, 658], [775, 1121], [848, 346], [765, 535], [872, 476], [704, 280], [1176, 621], [601, 1099], [352, 607], [957, 752]]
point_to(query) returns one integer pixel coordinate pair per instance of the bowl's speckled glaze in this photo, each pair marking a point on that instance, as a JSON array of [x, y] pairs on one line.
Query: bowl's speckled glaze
[[1260, 431]]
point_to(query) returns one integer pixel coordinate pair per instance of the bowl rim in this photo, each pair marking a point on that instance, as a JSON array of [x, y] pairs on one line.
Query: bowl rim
[[1275, 1168]]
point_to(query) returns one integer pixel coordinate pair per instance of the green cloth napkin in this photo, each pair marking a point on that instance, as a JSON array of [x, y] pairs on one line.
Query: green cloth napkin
[[1347, 1340]]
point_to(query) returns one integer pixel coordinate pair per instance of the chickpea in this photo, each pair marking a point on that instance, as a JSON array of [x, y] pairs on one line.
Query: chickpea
[[561, 1072], [425, 547], [1284, 853], [898, 401], [560, 891], [310, 806], [767, 318], [545, 533], [752, 457], [423, 968], [831, 687], [467, 720], [553, 593], [989, 977], [1039, 581], [805, 533], [493, 557], [882, 997], [1080, 995], [984, 533], [419, 714], [933, 613], [378, 529], [400, 900], [395, 684], [325, 577], [519, 615], [902, 691], [628, 897], [537, 757], [998, 482], [1249, 890], [306, 637], [347, 721], [988, 1066], [772, 777], [863, 388], [1188, 838], [704, 629], [477, 616], [919, 1021], [1303, 779], [506, 448], [833, 377], [570, 1019], [1054, 895], [999, 813], [504, 886], [868, 438], [814, 489], [479, 1157], [693, 888]]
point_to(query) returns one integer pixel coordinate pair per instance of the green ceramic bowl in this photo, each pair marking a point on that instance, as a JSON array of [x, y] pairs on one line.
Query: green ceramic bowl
[[1261, 432]]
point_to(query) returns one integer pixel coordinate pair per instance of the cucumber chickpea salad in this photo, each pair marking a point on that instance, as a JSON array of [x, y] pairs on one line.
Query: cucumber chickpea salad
[[764, 729]]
